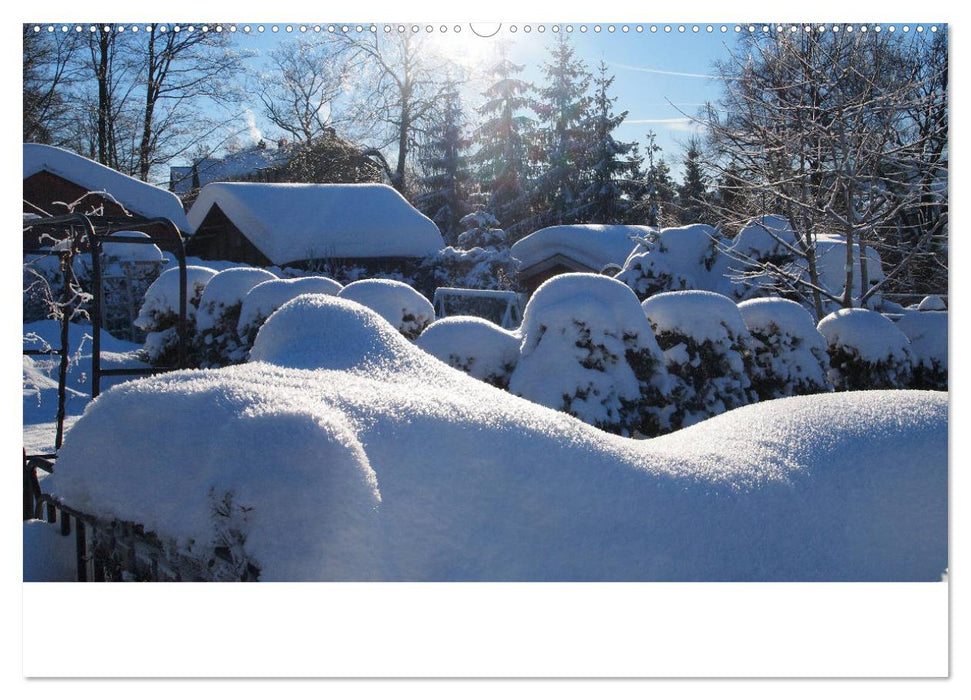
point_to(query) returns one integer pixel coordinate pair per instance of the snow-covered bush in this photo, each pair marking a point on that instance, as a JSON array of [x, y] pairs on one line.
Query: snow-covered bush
[[927, 332], [159, 314], [765, 239], [588, 350], [708, 352], [789, 353], [932, 303], [686, 257], [266, 297], [866, 351], [400, 305], [474, 345], [481, 259], [218, 314]]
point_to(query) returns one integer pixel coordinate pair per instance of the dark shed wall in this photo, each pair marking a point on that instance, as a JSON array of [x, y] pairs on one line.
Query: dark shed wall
[[218, 238]]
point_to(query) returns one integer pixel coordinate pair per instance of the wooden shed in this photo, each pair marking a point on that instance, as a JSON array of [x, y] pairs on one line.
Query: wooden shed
[[310, 226], [556, 250], [57, 181]]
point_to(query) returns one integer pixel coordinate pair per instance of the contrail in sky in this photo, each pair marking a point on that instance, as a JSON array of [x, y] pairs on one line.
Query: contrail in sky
[[664, 72], [672, 120]]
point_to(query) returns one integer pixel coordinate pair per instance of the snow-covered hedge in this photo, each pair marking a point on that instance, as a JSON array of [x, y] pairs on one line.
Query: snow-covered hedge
[[789, 353], [685, 257], [474, 345], [708, 352], [266, 297], [927, 333], [159, 314], [218, 315], [364, 458], [398, 303], [866, 351], [588, 350]]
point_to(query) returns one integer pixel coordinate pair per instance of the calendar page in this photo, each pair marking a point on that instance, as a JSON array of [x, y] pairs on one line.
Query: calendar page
[[579, 349]]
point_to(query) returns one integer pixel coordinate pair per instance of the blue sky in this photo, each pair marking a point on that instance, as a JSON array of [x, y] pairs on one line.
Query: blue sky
[[659, 77]]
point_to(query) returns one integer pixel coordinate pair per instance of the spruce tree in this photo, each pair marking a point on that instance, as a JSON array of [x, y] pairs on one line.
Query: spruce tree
[[693, 196], [501, 162], [447, 178], [613, 171], [563, 144]]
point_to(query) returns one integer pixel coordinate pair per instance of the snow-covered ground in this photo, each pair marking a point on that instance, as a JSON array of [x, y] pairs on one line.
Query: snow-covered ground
[[359, 457]]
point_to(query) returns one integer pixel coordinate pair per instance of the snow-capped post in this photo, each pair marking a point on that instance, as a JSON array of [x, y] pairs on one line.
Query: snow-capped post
[[588, 350], [708, 351], [789, 353], [218, 315], [866, 351]]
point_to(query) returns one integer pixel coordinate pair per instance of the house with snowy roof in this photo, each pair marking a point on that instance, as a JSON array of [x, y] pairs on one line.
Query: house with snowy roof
[[247, 164], [556, 250], [55, 180], [304, 225]]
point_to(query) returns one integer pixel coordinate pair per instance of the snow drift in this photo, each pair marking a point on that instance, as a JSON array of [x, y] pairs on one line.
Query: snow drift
[[370, 459]]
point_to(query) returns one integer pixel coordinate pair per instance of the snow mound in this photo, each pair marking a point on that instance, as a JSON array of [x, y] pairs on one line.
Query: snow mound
[[932, 303], [266, 297], [927, 333], [588, 349], [764, 237], [474, 345], [872, 335], [401, 468], [162, 297], [132, 252], [699, 315], [789, 352], [321, 331], [591, 245], [398, 303], [680, 258], [225, 290], [295, 222]]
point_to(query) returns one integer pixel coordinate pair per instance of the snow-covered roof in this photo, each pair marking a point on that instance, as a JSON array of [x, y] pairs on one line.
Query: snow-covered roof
[[234, 165], [591, 245], [134, 195], [293, 222]]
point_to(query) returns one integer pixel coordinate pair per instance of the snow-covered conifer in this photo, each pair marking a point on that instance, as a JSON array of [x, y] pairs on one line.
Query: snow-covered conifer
[[708, 351], [217, 342], [588, 350], [474, 345], [927, 332], [159, 314], [266, 297], [400, 304], [866, 351], [789, 353]]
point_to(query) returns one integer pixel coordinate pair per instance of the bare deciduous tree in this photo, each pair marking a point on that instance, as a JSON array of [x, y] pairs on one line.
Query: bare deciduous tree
[[844, 134], [399, 84], [298, 94]]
